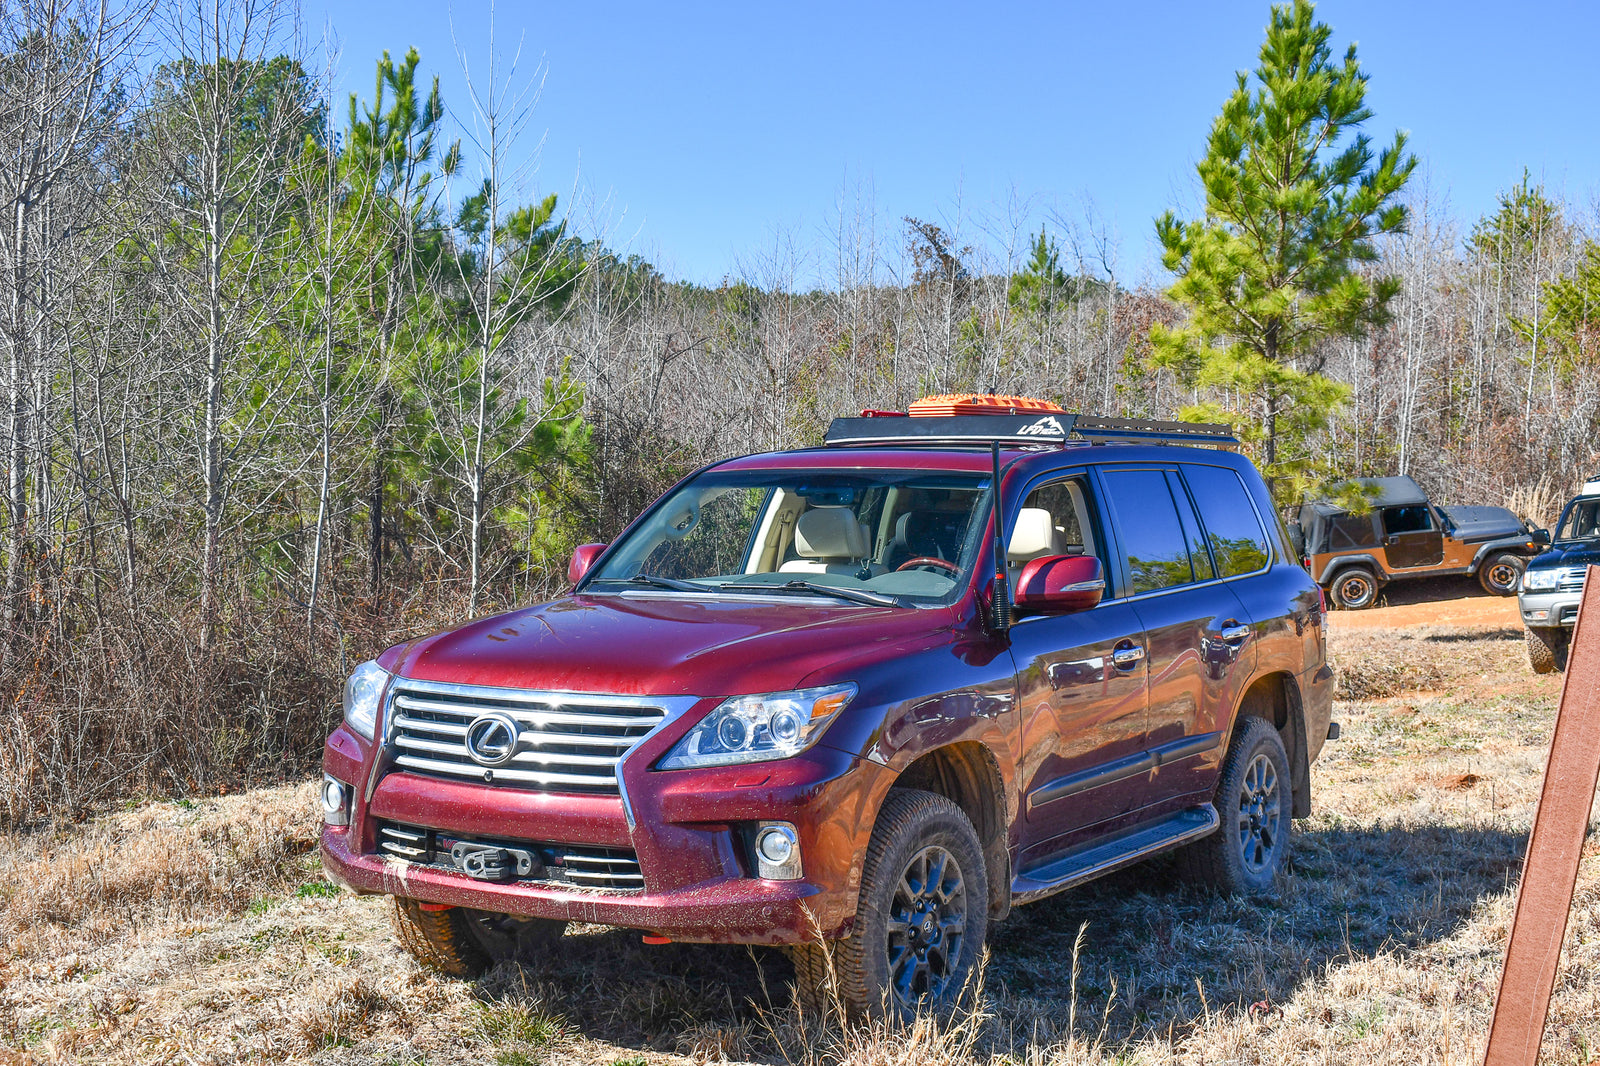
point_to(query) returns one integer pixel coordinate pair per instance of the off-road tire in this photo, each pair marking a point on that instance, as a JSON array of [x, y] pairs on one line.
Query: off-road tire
[[1501, 573], [1547, 648], [1233, 860], [464, 943], [1354, 588], [854, 975]]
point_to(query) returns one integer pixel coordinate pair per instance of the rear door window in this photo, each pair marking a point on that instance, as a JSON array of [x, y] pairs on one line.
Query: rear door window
[[1153, 543], [1233, 530]]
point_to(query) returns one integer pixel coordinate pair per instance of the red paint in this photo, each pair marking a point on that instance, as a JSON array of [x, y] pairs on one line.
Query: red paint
[[583, 557], [1054, 584], [1037, 702]]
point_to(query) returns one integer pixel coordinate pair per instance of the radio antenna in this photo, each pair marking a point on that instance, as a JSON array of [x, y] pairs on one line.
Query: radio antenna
[[1002, 589]]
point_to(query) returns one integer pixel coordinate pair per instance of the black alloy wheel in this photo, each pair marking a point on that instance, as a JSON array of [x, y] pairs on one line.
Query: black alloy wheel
[[1255, 804], [1260, 818], [921, 918], [927, 925]]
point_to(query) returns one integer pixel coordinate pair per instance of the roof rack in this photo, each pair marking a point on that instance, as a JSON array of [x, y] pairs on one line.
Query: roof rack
[[1020, 429]]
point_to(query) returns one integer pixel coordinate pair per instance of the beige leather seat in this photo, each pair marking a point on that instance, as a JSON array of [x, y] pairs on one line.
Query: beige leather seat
[[830, 541], [1033, 535]]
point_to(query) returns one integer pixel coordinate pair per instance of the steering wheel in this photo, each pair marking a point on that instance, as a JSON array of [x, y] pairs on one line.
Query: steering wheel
[[928, 560]]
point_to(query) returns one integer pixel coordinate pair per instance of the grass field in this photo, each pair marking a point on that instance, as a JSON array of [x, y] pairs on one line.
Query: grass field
[[203, 932]]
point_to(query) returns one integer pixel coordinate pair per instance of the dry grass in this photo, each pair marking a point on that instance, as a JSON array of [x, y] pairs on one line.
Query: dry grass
[[202, 933]]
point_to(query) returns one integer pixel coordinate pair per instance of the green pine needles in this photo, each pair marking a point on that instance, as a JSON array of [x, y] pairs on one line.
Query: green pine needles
[[1294, 198]]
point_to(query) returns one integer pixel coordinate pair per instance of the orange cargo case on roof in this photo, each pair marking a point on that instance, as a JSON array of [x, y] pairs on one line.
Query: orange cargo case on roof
[[972, 403]]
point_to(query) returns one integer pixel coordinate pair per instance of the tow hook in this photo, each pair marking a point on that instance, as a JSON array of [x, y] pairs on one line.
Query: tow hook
[[487, 863]]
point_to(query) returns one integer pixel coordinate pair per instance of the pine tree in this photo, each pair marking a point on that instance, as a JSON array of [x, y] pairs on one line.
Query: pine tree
[[1293, 201]]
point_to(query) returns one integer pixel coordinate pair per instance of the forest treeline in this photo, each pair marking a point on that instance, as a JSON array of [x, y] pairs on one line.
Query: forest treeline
[[289, 377]]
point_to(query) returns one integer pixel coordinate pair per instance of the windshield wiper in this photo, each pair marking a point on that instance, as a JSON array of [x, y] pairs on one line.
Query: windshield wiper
[[663, 583], [873, 599]]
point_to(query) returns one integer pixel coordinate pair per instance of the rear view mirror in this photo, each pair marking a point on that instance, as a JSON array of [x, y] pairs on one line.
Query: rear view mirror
[[1541, 536], [583, 557], [1058, 584]]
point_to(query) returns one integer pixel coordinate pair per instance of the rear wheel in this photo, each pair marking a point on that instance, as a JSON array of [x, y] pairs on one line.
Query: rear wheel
[[1254, 799], [1547, 648], [920, 919], [464, 942], [1355, 588], [1500, 574]]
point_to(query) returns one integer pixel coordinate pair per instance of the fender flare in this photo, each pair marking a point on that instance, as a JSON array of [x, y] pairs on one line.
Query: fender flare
[[1488, 548], [1292, 732], [1343, 562]]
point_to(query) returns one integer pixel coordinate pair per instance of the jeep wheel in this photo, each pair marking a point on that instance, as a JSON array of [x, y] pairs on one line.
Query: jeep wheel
[[464, 943], [1547, 648], [1254, 800], [1355, 588], [1500, 574], [920, 919]]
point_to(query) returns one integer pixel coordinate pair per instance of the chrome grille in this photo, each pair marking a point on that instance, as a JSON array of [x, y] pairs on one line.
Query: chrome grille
[[586, 866], [1571, 579], [566, 742]]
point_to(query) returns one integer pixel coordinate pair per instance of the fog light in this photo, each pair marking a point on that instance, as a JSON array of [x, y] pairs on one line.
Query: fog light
[[335, 801], [1538, 616], [777, 851]]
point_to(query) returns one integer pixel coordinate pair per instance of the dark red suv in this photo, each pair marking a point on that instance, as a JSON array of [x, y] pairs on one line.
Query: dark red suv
[[808, 699]]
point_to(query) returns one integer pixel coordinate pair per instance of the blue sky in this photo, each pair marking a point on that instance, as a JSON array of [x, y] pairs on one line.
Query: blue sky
[[713, 133]]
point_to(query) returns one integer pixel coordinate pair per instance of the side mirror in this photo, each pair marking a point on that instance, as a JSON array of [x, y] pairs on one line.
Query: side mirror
[[583, 557], [1059, 584], [1541, 536]]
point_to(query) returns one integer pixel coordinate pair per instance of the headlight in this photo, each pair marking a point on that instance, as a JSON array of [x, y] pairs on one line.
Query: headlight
[[362, 694], [755, 728], [1534, 580]]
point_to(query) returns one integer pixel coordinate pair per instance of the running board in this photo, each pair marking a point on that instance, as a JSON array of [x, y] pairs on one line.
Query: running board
[[1085, 864]]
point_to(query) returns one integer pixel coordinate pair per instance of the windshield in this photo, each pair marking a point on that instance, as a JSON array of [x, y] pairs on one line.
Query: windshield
[[1581, 520], [899, 537]]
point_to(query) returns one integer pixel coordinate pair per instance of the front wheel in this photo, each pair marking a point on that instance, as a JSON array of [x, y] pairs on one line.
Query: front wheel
[[1547, 648], [464, 943], [1500, 574], [920, 922], [1254, 799]]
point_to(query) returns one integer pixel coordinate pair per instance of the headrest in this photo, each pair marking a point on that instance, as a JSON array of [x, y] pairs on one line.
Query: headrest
[[830, 533], [1033, 535]]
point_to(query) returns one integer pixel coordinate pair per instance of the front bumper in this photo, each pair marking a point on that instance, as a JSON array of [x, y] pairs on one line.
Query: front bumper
[[687, 831], [1555, 608]]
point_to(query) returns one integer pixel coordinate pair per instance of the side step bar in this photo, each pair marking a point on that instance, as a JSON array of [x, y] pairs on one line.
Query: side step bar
[[1087, 863]]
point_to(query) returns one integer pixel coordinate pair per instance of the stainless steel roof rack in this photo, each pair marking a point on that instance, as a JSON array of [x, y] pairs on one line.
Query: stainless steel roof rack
[[1055, 429]]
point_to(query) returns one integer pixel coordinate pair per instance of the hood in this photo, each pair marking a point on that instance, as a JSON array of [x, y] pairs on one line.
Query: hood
[[1568, 553], [1482, 523], [662, 645]]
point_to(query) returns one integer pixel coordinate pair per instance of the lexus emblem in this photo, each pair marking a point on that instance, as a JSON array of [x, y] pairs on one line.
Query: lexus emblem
[[492, 739]]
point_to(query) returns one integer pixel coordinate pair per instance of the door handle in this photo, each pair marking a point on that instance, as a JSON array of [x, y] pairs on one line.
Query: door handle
[[1235, 634], [1128, 656]]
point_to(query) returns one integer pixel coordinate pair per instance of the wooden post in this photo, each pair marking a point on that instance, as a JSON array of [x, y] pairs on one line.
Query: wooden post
[[1550, 871]]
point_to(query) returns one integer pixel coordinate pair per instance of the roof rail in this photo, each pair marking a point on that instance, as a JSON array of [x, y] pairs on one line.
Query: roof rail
[[1020, 429]]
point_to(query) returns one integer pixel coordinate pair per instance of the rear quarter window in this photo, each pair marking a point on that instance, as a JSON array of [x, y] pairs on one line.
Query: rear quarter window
[[1233, 530]]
